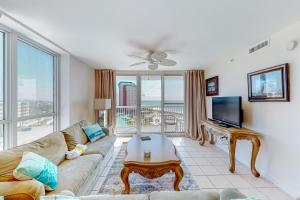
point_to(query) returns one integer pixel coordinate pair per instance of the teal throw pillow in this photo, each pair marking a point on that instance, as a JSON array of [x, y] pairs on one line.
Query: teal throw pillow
[[93, 132], [34, 166]]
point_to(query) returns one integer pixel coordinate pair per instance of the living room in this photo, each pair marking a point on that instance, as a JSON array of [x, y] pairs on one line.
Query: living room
[[149, 100]]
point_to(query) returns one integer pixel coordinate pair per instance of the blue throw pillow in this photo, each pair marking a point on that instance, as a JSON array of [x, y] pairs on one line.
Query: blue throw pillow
[[34, 166], [93, 132]]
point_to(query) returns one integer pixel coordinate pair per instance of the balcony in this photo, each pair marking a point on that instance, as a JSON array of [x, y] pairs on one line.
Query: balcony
[[151, 119]]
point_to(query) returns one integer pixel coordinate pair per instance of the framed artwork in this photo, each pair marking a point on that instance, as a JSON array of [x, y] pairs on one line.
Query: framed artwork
[[271, 84], [212, 86]]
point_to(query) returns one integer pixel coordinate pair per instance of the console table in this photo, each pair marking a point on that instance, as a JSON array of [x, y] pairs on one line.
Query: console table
[[233, 134]]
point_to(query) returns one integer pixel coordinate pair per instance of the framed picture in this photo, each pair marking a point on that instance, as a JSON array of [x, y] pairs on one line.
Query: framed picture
[[212, 86], [271, 84]]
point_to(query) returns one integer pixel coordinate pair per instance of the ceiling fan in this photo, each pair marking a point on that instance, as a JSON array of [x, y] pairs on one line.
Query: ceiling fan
[[153, 59]]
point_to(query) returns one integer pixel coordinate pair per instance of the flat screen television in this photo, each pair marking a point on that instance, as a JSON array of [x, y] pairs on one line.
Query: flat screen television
[[228, 110]]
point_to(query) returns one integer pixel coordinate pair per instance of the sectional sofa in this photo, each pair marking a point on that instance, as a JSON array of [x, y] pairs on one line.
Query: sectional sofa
[[226, 194], [76, 175]]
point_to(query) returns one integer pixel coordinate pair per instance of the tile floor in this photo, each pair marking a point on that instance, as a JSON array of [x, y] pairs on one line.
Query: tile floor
[[209, 165]]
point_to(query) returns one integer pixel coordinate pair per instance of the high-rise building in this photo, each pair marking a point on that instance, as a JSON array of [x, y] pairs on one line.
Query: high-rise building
[[127, 93], [23, 108]]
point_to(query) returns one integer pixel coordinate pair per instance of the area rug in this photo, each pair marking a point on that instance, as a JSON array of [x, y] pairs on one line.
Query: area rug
[[140, 185]]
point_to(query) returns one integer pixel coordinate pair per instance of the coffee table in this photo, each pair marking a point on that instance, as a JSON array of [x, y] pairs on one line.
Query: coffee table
[[163, 159]]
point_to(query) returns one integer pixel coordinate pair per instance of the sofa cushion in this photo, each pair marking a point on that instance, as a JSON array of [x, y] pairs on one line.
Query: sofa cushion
[[115, 197], [53, 147], [101, 146], [15, 189], [77, 132], [72, 174], [195, 195]]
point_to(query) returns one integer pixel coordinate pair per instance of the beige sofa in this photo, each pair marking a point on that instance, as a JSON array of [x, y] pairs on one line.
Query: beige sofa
[[75, 175], [227, 194]]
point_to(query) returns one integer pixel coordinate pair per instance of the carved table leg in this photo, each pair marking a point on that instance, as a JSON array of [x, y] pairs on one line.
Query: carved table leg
[[178, 177], [124, 177], [232, 146], [255, 148], [202, 132]]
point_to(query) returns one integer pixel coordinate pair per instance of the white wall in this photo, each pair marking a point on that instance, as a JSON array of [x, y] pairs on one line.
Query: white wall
[[81, 91], [64, 91], [279, 156], [76, 91]]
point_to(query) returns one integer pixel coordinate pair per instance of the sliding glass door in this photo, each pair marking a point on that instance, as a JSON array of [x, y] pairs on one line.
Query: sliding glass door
[[173, 104], [152, 103], [151, 112]]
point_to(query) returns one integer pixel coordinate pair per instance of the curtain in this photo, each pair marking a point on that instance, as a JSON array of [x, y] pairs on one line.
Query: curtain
[[195, 104], [105, 80]]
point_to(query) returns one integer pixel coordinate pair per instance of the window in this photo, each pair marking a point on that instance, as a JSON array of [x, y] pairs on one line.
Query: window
[[2, 91], [36, 92]]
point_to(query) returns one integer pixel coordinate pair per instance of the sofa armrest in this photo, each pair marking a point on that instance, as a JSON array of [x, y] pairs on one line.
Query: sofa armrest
[[25, 190], [231, 193]]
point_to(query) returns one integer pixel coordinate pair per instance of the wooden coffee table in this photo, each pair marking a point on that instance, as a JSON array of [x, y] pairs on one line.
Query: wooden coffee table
[[163, 159]]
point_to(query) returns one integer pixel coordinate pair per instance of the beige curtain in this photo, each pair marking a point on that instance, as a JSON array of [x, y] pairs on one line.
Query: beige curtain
[[105, 80], [195, 105]]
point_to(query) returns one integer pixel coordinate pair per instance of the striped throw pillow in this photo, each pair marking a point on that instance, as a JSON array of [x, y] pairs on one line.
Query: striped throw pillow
[[93, 132]]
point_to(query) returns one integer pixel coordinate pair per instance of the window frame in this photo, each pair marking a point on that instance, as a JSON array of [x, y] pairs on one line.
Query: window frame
[[5, 121], [10, 118]]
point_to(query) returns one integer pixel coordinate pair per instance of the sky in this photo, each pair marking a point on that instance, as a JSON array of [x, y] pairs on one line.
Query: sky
[[151, 87], [35, 73]]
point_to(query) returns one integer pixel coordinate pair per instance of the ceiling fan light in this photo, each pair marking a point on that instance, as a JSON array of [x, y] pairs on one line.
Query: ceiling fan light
[[167, 62], [159, 55], [152, 66]]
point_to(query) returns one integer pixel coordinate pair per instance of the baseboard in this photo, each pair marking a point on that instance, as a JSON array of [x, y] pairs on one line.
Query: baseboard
[[292, 192]]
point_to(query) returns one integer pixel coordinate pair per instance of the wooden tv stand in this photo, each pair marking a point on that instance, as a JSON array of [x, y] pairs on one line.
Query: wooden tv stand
[[233, 134]]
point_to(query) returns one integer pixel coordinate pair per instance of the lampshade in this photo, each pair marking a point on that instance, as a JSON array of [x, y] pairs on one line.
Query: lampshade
[[102, 104]]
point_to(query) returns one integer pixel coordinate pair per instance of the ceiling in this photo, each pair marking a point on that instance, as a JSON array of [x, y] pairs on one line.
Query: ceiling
[[102, 33]]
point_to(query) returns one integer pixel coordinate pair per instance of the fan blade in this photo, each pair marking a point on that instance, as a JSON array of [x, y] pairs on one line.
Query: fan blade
[[167, 62], [159, 55], [152, 66], [136, 56], [139, 63], [172, 51]]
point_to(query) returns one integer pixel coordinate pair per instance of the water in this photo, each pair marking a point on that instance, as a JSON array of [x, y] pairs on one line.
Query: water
[[158, 103]]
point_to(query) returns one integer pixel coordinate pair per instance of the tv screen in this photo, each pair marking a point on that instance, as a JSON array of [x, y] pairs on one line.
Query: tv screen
[[227, 110]]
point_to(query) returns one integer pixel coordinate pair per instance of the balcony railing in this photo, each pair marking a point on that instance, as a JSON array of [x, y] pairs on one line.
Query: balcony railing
[[151, 118]]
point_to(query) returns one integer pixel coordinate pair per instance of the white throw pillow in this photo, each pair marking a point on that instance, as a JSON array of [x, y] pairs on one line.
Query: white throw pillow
[[76, 152]]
